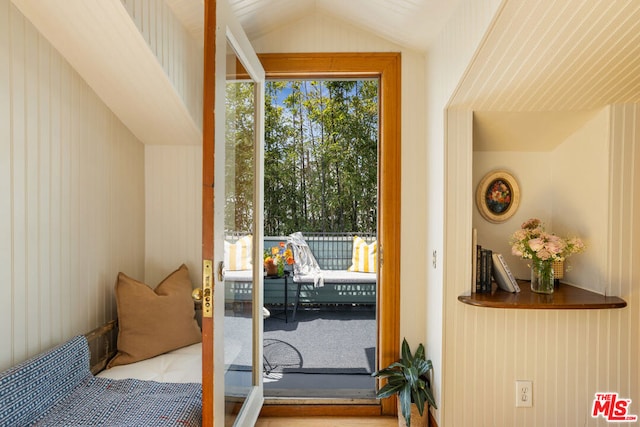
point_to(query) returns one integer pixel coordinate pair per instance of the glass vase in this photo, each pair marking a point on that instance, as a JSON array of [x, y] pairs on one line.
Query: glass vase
[[542, 276], [281, 269]]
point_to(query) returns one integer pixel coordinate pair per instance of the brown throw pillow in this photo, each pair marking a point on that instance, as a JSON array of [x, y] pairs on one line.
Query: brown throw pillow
[[153, 322]]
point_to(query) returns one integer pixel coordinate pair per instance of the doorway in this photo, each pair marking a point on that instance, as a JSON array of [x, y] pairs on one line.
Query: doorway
[[386, 68], [321, 180]]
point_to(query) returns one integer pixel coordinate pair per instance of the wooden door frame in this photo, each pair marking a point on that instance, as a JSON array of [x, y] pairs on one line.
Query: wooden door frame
[[386, 67], [208, 169]]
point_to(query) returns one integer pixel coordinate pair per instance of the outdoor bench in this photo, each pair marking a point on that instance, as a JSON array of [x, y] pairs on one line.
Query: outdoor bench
[[332, 284]]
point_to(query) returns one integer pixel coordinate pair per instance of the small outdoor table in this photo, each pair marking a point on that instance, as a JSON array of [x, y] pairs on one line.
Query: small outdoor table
[[286, 291]]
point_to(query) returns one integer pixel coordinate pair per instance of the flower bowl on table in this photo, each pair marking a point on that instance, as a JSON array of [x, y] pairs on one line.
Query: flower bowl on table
[[276, 258]]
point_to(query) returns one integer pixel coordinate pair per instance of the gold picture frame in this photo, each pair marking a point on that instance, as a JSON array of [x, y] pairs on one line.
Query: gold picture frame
[[498, 196]]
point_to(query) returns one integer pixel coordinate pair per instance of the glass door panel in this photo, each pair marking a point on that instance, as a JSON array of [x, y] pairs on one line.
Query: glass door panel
[[233, 135], [239, 228], [238, 231]]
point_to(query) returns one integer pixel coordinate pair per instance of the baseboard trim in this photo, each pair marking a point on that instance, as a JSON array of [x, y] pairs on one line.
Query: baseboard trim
[[432, 421], [320, 410]]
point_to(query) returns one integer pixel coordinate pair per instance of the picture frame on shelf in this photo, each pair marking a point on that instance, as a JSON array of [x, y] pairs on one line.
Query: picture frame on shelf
[[498, 196]]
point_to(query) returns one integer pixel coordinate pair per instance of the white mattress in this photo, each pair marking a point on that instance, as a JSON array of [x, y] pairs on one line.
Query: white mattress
[[183, 365], [178, 366]]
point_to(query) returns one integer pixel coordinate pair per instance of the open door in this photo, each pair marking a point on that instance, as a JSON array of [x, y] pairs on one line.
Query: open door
[[233, 133]]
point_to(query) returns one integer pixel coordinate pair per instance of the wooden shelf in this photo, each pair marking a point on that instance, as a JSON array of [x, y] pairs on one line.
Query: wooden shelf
[[566, 297]]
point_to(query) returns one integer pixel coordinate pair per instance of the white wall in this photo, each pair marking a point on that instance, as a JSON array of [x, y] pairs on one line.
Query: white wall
[[179, 54], [567, 189], [581, 200], [569, 355], [534, 174], [319, 33], [173, 174], [173, 198], [71, 197], [80, 197], [447, 61]]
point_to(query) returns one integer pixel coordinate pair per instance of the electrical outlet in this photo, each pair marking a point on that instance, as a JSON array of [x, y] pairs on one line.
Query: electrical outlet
[[524, 394]]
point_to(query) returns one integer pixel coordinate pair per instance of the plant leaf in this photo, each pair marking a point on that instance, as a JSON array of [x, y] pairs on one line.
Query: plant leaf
[[389, 389], [418, 399], [404, 396], [393, 369], [406, 352], [420, 354]]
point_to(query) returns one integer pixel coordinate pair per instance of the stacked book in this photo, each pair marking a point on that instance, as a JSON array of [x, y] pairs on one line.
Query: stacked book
[[488, 266]]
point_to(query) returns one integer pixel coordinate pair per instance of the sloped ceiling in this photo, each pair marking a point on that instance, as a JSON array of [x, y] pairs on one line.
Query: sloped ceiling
[[409, 23], [556, 56], [569, 57], [544, 67], [542, 70], [525, 130], [104, 46]]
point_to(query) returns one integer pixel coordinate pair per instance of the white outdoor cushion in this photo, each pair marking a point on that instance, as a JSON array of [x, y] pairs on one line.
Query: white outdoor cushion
[[238, 276], [336, 276]]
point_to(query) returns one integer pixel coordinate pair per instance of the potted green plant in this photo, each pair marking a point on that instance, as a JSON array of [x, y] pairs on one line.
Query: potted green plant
[[408, 378]]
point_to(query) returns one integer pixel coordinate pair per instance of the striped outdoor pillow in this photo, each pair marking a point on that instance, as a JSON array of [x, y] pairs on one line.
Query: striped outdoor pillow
[[365, 257], [237, 256]]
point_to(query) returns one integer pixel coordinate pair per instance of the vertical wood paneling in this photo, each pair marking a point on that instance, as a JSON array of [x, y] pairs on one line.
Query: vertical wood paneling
[[569, 355], [17, 119], [449, 167], [633, 337], [177, 52], [6, 185], [625, 252], [68, 167], [174, 207]]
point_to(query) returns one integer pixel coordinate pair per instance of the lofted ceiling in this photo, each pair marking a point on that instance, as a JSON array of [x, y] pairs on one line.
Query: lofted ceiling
[[570, 55], [540, 72], [409, 23]]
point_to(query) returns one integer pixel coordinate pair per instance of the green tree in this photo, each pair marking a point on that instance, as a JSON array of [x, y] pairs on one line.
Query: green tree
[[321, 148], [239, 155]]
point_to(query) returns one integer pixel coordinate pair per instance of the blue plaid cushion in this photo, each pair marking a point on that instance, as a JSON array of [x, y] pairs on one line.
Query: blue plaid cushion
[[32, 387]]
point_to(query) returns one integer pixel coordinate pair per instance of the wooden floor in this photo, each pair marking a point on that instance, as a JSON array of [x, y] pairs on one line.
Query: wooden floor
[[327, 422]]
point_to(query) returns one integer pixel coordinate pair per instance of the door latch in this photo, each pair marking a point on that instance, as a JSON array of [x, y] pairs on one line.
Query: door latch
[[207, 288]]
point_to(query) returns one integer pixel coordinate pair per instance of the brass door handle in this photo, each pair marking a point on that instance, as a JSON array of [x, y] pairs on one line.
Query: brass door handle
[[197, 294]]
